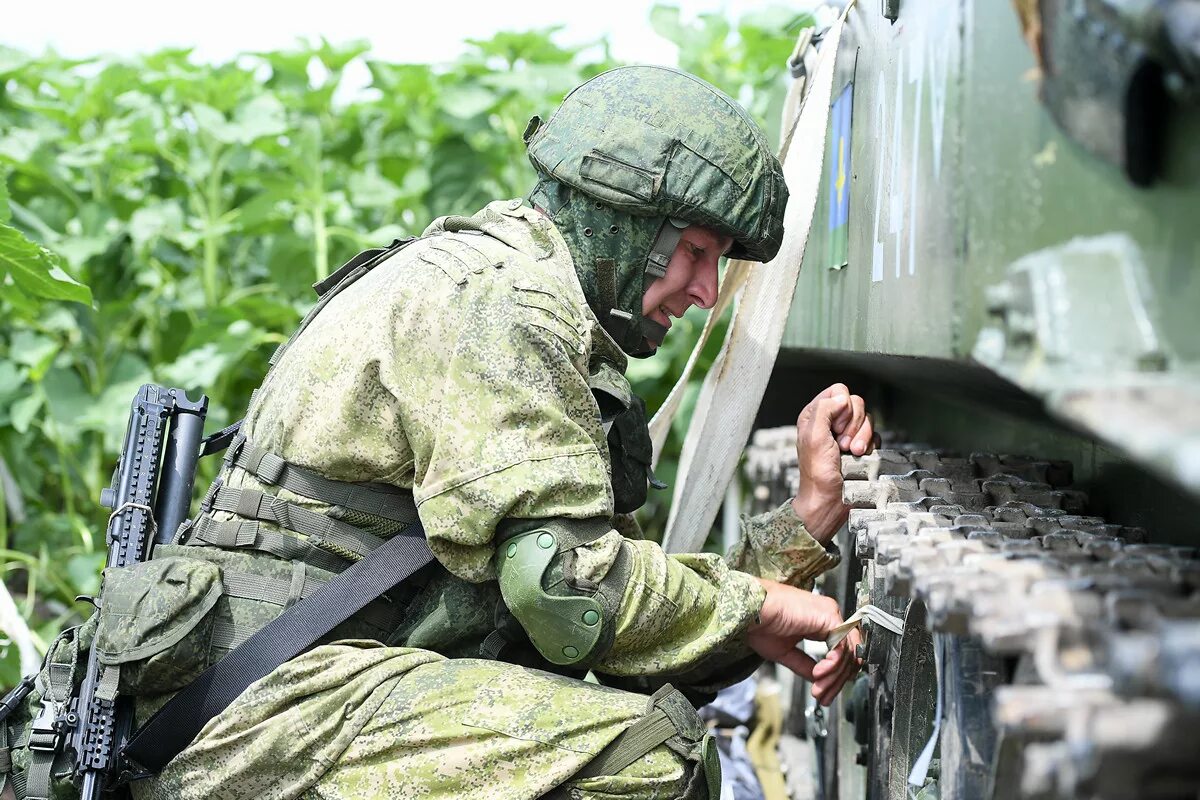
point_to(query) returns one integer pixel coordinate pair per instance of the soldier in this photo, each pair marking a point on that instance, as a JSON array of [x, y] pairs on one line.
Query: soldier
[[476, 379]]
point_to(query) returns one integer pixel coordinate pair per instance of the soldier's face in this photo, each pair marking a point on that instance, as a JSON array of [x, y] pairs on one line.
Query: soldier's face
[[691, 278]]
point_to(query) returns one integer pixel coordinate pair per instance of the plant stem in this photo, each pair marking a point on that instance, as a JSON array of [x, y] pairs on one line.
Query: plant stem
[[320, 225], [213, 213], [321, 236]]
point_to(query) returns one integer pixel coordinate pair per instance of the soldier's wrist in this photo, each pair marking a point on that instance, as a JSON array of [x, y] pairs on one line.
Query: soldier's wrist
[[820, 516]]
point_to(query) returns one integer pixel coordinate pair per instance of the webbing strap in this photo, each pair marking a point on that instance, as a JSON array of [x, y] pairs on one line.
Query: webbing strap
[[636, 741], [43, 735], [383, 501], [220, 440], [19, 778], [277, 592], [342, 278], [661, 252], [178, 722], [5, 758], [251, 586], [606, 281], [252, 535], [733, 388], [323, 531], [283, 593]]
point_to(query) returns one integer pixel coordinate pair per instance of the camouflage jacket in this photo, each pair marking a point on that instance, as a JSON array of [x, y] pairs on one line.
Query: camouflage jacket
[[461, 369]]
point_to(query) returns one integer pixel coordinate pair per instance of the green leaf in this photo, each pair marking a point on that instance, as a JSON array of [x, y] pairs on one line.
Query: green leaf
[[68, 401], [20, 144], [467, 101], [33, 350], [665, 21], [196, 368], [11, 379], [262, 116], [5, 212], [155, 220], [35, 270], [12, 61], [371, 190], [83, 572], [24, 410]]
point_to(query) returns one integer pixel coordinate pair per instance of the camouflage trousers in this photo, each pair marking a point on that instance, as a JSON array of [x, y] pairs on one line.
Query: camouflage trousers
[[356, 720]]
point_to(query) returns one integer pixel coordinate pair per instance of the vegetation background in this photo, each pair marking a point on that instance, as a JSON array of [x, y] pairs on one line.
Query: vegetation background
[[163, 220]]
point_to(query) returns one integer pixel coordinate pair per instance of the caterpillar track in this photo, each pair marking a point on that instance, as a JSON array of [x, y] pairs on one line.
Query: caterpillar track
[[1046, 653]]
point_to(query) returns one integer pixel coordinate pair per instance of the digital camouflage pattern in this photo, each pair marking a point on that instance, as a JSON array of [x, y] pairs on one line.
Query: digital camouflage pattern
[[655, 141], [593, 232], [771, 548], [460, 369], [357, 720]]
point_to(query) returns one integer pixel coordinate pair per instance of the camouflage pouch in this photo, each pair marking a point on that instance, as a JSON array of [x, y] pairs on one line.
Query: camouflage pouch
[[156, 623]]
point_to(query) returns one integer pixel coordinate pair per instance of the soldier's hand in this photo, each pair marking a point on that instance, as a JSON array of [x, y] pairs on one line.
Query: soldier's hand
[[835, 422], [789, 615]]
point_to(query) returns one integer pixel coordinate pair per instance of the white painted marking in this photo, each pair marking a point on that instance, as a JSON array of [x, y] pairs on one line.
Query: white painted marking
[[876, 241], [916, 74], [895, 184], [931, 52]]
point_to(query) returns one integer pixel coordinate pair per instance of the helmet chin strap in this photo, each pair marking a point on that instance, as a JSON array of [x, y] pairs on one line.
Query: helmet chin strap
[[631, 331]]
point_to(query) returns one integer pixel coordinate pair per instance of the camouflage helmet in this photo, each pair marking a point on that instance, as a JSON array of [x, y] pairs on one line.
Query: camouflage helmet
[[641, 152]]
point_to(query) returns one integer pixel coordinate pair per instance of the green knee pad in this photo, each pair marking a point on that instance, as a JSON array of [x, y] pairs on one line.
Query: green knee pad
[[565, 629]]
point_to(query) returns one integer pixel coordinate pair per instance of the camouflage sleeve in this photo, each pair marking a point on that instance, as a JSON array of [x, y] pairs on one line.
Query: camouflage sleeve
[[775, 545], [681, 612], [508, 426]]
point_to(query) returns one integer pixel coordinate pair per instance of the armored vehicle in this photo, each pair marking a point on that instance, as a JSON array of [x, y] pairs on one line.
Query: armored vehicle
[[1005, 259]]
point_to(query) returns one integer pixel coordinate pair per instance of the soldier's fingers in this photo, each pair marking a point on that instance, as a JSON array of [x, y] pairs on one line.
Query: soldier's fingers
[[851, 420], [828, 665], [798, 662], [827, 687], [834, 391], [824, 419], [851, 643], [864, 439]]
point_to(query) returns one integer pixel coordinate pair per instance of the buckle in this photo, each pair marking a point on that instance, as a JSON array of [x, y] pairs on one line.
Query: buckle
[[44, 732]]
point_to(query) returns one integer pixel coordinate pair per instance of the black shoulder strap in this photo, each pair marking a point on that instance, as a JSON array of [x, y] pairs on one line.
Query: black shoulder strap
[[300, 626], [368, 258]]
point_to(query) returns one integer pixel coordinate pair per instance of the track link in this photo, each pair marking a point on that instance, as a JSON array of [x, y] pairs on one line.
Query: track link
[[1069, 646]]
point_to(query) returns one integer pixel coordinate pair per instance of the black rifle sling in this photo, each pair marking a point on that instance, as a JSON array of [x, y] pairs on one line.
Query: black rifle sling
[[300, 626]]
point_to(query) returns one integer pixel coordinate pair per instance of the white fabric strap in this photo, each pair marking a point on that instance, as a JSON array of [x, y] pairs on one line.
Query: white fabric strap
[[735, 274], [733, 388]]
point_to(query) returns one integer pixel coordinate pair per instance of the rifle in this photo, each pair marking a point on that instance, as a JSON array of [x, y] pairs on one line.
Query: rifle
[[150, 496]]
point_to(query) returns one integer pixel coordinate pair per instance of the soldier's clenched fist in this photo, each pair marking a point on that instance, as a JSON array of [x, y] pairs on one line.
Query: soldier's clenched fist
[[835, 422]]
